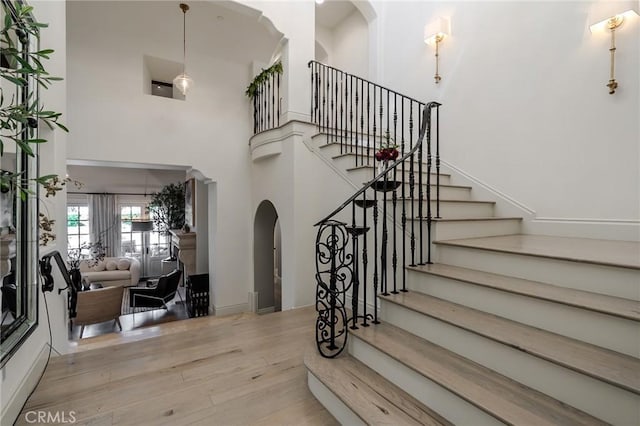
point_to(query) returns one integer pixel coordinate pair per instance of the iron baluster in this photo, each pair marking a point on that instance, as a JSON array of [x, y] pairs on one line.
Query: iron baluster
[[269, 92], [394, 255], [385, 237], [365, 261], [411, 189], [420, 198], [429, 218], [438, 162], [375, 258], [404, 207]]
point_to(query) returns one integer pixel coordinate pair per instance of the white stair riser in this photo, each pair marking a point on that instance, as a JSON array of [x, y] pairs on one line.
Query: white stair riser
[[595, 397], [475, 229], [614, 333], [448, 209], [366, 174], [332, 403], [620, 282], [446, 192], [445, 403]]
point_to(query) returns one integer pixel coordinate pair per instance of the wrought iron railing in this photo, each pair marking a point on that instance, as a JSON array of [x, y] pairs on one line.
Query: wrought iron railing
[[401, 231], [266, 102], [358, 114]]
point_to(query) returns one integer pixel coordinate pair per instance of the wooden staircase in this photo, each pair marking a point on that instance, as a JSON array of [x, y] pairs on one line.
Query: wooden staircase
[[502, 328]]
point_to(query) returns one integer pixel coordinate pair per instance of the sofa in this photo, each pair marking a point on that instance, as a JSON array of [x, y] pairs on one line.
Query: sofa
[[112, 271]]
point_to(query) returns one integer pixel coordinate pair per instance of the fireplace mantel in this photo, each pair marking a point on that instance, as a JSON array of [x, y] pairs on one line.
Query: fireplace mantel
[[185, 242]]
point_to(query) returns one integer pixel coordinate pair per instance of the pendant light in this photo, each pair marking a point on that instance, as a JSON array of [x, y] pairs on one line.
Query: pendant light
[[183, 82]]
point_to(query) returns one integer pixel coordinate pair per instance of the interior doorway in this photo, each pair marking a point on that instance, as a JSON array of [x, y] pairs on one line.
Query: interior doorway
[[267, 259]]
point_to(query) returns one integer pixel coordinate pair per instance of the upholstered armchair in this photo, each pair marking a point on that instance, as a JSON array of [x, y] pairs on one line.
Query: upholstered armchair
[[158, 296], [100, 305]]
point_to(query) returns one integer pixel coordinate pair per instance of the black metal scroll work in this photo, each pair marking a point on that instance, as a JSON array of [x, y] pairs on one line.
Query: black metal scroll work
[[334, 277]]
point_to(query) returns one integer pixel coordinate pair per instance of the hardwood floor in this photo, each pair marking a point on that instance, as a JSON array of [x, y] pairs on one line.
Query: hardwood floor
[[237, 370]]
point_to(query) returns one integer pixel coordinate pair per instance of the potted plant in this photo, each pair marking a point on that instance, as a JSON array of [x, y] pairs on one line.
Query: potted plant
[[167, 207]]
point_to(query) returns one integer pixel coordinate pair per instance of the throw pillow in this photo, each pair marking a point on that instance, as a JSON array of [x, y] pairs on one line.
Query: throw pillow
[[124, 264], [99, 267], [112, 265]]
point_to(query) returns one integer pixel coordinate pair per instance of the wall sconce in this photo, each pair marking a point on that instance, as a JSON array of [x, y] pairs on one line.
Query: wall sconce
[[434, 34], [612, 24]]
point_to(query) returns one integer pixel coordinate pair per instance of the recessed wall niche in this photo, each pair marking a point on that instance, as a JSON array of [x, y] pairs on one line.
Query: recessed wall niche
[[158, 75]]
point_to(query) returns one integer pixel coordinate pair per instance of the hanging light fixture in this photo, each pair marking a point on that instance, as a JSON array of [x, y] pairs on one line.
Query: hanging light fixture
[[183, 82]]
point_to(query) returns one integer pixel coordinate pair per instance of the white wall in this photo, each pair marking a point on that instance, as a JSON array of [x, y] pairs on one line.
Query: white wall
[[21, 372], [525, 107], [351, 45], [303, 189], [346, 45], [297, 49], [111, 119]]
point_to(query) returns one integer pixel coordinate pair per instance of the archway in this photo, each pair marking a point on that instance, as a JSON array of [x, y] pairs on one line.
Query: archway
[[267, 259]]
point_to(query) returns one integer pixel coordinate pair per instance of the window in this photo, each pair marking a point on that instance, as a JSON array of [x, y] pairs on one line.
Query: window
[[131, 242], [77, 226]]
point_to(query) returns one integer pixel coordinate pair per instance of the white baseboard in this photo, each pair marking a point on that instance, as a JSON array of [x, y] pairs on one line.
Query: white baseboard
[[268, 310], [231, 309], [11, 410]]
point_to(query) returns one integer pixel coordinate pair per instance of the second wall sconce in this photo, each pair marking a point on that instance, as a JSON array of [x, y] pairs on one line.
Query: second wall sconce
[[434, 34], [612, 24]]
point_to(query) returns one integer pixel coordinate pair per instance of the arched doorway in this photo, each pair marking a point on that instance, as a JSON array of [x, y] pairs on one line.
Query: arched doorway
[[267, 259]]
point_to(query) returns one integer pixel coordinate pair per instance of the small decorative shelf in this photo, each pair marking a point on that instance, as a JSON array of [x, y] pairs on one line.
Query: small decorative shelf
[[386, 186], [365, 203]]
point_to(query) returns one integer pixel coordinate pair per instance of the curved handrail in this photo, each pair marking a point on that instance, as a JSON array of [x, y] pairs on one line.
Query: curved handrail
[[426, 119]]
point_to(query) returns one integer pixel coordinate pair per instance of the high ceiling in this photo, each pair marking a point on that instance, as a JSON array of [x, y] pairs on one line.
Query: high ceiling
[[332, 12]]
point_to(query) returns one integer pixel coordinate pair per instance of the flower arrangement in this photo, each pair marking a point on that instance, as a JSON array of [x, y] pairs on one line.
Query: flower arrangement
[[388, 149]]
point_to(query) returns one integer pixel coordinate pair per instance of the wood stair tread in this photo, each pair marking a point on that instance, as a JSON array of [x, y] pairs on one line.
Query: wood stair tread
[[623, 254], [610, 305], [448, 200], [503, 398], [442, 185], [603, 364], [369, 395], [463, 219]]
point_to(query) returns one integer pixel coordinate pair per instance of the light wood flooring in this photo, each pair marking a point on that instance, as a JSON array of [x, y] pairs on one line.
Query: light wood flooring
[[237, 370]]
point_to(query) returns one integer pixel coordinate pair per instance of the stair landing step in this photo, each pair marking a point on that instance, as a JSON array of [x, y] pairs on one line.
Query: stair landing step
[[369, 395], [501, 397], [610, 305], [603, 364], [622, 254]]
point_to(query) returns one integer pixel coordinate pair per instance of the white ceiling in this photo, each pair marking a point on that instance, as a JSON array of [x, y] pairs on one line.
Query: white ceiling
[[332, 12]]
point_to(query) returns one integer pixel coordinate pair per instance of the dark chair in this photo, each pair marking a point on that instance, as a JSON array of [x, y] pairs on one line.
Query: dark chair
[[158, 296]]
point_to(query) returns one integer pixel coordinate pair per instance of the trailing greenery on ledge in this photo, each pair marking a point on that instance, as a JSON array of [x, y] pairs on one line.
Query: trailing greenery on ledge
[[260, 79]]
